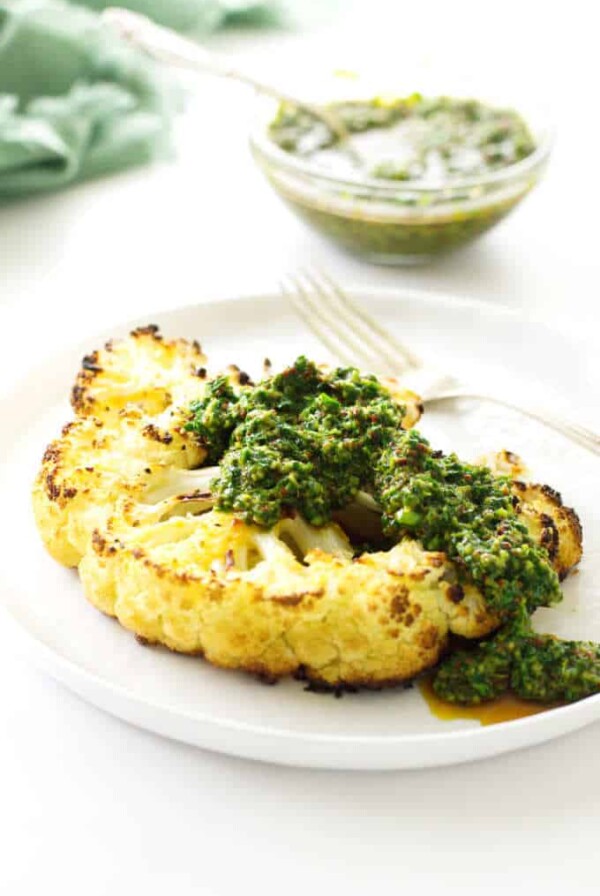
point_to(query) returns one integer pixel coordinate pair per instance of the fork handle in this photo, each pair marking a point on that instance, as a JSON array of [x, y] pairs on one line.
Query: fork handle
[[573, 431]]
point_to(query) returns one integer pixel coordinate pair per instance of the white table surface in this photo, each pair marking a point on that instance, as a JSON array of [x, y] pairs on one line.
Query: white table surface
[[93, 806]]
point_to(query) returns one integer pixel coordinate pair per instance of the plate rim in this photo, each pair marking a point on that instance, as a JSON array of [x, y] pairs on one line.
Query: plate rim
[[99, 328], [81, 680]]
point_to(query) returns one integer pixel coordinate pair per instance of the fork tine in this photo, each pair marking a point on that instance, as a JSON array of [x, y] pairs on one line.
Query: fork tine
[[371, 331], [314, 296], [323, 318], [296, 298], [371, 353]]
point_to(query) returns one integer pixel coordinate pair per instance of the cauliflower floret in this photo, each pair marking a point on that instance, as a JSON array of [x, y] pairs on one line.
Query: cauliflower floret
[[551, 523], [412, 402], [93, 464], [541, 508], [504, 463], [131, 400], [144, 370]]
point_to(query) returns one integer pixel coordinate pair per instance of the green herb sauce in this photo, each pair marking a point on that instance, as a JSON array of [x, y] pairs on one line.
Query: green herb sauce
[[432, 143], [307, 441], [466, 512], [535, 667], [424, 140], [300, 440]]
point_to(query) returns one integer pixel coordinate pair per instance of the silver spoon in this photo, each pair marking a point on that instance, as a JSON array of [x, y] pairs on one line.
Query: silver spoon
[[167, 46]]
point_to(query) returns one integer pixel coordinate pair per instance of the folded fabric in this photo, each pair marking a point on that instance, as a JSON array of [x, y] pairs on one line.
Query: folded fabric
[[196, 15], [75, 101]]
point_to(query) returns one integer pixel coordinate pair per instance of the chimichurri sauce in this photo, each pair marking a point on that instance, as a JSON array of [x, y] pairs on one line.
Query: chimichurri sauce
[[300, 440], [416, 185], [417, 139], [307, 440], [536, 667]]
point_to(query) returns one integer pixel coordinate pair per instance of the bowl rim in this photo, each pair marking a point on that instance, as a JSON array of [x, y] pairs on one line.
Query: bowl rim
[[272, 153]]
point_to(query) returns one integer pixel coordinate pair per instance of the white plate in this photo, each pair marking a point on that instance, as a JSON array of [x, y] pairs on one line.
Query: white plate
[[187, 699]]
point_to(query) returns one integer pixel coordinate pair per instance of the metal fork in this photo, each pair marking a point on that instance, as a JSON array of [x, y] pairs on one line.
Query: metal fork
[[352, 336]]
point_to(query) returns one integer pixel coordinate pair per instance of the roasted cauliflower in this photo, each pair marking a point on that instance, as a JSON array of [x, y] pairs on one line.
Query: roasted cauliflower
[[123, 495]]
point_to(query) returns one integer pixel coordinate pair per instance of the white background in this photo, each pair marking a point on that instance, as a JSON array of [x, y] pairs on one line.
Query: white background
[[90, 805]]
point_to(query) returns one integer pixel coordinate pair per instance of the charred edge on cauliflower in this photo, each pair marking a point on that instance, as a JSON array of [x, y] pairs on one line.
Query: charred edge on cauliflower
[[94, 365], [315, 685], [159, 435], [58, 491], [561, 531], [240, 376]]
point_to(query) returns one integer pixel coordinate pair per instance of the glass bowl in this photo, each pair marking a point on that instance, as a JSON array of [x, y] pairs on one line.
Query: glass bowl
[[391, 222]]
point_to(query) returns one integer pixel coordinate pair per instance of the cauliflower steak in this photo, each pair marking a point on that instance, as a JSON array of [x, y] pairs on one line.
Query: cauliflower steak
[[123, 495]]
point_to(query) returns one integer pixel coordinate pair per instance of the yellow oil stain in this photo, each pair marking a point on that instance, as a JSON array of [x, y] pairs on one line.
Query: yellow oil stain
[[503, 709]]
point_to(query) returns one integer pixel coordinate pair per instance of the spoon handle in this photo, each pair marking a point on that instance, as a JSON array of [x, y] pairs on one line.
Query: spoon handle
[[167, 46]]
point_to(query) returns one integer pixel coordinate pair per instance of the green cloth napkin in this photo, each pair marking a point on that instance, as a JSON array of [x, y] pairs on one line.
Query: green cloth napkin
[[75, 101], [197, 15]]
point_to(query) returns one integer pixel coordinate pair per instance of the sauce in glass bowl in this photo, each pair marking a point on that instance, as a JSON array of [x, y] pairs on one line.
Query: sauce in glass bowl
[[427, 174]]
